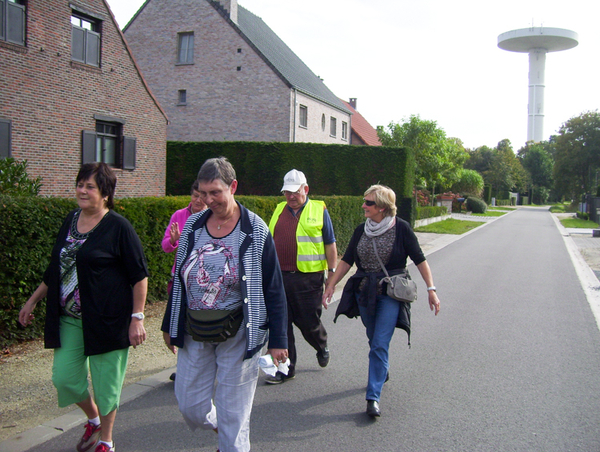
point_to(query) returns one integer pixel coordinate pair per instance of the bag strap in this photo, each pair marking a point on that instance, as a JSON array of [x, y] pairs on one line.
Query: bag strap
[[387, 275]]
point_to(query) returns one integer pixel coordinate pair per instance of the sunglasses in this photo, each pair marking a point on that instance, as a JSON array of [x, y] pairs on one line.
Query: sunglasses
[[369, 203]]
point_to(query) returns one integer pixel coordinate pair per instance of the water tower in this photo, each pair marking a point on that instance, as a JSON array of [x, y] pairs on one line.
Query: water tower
[[537, 41]]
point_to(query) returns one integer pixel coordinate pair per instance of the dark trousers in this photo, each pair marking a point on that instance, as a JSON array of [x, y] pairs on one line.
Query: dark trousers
[[304, 292]]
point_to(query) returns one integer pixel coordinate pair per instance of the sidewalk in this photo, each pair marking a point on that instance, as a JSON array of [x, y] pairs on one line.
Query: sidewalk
[[589, 249]]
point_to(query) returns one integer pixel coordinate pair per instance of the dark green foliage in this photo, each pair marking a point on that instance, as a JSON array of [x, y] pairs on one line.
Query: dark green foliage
[[28, 228], [330, 169], [487, 194], [476, 205], [583, 215], [14, 180], [431, 212]]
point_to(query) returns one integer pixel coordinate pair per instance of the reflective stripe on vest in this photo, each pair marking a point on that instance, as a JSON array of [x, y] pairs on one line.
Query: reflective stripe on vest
[[309, 236]]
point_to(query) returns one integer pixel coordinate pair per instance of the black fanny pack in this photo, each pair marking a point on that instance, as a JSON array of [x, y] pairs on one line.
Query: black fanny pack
[[213, 325]]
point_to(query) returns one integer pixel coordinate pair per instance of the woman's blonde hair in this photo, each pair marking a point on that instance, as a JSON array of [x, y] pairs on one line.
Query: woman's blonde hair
[[384, 197]]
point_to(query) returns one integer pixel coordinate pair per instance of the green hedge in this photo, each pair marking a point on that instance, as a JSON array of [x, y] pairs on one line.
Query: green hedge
[[424, 212], [260, 167], [28, 228]]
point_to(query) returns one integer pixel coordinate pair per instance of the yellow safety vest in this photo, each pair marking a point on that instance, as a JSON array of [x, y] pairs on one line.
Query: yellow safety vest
[[309, 236]]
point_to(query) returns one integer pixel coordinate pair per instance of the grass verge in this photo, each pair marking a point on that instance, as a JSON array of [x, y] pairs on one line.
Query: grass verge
[[578, 223], [449, 226], [489, 213]]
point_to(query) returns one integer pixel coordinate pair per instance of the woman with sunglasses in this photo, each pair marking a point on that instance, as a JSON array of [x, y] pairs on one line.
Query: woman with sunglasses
[[364, 295]]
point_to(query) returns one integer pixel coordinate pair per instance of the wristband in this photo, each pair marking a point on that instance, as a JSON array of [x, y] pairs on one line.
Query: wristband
[[431, 288]]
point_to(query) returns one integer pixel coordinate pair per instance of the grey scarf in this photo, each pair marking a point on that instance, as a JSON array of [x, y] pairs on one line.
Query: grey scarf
[[373, 229]]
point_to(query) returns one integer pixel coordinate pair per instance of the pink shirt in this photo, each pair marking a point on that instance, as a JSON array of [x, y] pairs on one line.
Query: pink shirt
[[179, 217]]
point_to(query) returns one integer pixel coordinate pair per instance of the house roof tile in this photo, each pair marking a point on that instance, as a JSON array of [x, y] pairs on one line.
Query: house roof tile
[[362, 128]]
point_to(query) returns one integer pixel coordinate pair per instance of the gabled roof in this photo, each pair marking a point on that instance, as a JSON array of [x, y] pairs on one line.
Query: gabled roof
[[362, 128], [281, 58]]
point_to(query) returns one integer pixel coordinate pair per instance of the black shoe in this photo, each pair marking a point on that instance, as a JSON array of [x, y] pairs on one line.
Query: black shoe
[[279, 378], [323, 357], [373, 408], [172, 377]]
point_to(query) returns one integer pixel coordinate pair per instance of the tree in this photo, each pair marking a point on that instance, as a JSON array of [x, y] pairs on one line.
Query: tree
[[538, 162], [577, 155], [438, 159], [470, 182], [14, 179]]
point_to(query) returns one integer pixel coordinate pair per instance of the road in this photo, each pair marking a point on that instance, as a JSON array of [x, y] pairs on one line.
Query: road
[[511, 363]]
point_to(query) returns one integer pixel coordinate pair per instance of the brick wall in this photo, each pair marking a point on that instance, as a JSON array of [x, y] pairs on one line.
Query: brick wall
[[51, 100], [223, 103]]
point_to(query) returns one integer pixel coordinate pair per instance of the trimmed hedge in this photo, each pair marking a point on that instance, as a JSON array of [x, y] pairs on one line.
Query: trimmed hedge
[[330, 169], [28, 228], [424, 212], [476, 205]]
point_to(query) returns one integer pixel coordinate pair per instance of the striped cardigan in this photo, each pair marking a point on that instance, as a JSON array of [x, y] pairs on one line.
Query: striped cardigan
[[265, 305]]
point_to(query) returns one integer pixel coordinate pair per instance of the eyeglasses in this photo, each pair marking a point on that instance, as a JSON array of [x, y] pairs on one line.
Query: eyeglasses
[[369, 203], [293, 193]]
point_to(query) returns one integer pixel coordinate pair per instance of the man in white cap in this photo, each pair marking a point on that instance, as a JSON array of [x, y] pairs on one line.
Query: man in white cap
[[306, 250]]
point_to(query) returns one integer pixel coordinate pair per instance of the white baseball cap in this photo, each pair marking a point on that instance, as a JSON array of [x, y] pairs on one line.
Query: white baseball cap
[[293, 180]]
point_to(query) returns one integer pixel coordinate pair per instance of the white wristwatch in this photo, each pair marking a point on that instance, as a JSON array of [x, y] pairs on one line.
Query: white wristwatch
[[138, 315], [431, 288]]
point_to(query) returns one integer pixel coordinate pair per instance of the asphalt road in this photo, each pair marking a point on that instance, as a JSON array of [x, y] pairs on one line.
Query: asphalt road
[[511, 363]]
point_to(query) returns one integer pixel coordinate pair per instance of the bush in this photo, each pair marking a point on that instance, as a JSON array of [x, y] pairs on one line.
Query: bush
[[15, 181], [431, 212], [476, 205], [583, 215]]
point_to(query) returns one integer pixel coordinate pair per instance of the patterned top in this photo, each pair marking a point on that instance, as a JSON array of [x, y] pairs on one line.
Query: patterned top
[[211, 272], [366, 253], [69, 287]]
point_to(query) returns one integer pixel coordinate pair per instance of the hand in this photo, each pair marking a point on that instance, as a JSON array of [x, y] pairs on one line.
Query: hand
[[137, 332], [434, 301], [26, 314], [174, 232], [167, 340], [327, 296], [278, 355]]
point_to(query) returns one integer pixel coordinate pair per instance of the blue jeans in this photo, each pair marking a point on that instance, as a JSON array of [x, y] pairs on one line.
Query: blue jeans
[[380, 329]]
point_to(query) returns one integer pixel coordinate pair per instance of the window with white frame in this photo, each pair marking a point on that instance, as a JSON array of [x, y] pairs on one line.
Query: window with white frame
[[12, 21], [332, 126], [85, 39], [344, 130], [303, 116], [185, 48]]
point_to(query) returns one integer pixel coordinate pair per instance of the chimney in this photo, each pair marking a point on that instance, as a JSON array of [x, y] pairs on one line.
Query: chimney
[[353, 102], [231, 6]]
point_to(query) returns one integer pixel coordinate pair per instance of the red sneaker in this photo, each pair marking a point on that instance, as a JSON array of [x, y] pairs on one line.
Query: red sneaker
[[90, 437], [101, 447]]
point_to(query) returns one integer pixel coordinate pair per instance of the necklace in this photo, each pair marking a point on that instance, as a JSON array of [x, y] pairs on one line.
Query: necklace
[[223, 224]]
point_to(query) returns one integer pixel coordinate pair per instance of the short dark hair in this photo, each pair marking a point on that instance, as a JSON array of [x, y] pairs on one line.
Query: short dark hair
[[217, 168], [105, 179], [195, 186]]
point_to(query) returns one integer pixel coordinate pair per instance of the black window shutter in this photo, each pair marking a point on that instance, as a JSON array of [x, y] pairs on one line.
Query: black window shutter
[[16, 23], [88, 146], [78, 44], [129, 145], [4, 138], [92, 53], [2, 21]]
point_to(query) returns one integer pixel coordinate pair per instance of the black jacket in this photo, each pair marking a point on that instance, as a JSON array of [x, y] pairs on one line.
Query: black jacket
[[109, 264]]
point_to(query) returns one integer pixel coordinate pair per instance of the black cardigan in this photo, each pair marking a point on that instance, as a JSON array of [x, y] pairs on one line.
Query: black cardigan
[[406, 245], [109, 264]]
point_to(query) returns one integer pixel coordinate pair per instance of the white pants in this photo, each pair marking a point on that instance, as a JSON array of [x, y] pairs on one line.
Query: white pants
[[204, 368]]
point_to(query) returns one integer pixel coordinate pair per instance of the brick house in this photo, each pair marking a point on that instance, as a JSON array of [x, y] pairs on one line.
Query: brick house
[[222, 74], [363, 133], [70, 92]]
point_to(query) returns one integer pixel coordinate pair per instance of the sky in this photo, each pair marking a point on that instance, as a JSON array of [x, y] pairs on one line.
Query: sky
[[438, 59]]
